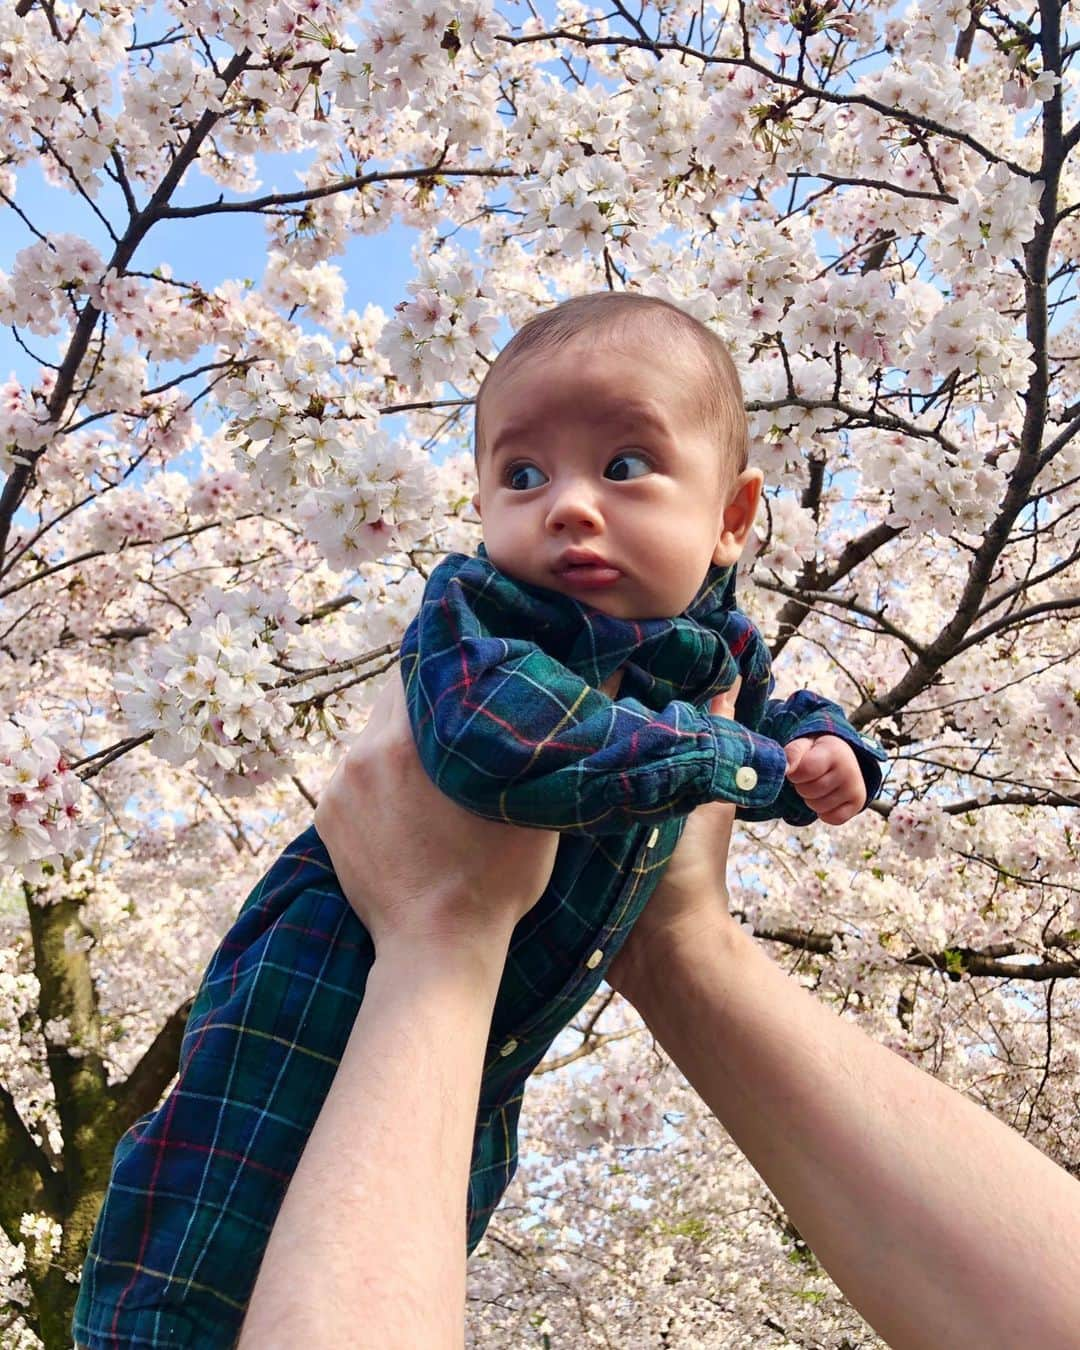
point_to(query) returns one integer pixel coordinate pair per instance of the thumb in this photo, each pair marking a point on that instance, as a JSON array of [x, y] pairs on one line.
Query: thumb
[[794, 752]]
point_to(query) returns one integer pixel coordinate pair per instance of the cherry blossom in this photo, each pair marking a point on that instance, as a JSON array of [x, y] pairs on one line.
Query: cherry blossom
[[224, 479]]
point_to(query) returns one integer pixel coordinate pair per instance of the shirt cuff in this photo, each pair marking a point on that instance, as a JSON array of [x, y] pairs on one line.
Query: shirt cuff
[[749, 770]]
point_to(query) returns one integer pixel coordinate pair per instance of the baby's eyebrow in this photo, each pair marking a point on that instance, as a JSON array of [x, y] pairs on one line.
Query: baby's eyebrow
[[513, 431], [625, 413]]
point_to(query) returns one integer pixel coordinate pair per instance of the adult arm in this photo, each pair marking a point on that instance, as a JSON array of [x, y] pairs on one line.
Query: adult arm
[[368, 1250], [939, 1223]]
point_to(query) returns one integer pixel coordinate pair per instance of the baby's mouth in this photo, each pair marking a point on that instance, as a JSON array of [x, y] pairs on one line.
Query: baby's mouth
[[588, 575]]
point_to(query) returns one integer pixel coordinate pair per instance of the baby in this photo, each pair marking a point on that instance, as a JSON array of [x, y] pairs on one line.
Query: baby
[[558, 679]]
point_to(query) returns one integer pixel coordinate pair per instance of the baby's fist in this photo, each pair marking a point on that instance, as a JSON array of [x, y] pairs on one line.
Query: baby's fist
[[824, 772]]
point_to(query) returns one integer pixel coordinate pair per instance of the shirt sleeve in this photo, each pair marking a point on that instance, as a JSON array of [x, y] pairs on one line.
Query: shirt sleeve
[[808, 714], [512, 734]]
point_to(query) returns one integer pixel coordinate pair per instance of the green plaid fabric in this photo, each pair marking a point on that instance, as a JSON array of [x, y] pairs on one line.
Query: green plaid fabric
[[501, 682]]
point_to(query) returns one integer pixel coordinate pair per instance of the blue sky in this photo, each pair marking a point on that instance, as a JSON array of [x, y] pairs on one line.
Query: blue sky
[[208, 249]]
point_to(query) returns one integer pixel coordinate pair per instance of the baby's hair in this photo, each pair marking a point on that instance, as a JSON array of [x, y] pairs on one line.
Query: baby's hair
[[721, 392]]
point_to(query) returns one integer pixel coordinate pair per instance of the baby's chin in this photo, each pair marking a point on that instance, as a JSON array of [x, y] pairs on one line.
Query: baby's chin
[[637, 608]]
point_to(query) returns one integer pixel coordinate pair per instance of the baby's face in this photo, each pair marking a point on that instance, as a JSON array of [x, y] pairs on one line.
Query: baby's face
[[599, 479]]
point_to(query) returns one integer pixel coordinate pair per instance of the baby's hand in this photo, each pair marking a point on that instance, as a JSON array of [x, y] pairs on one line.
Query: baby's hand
[[825, 773]]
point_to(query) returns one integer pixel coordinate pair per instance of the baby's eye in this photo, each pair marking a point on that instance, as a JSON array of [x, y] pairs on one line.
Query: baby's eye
[[628, 464], [518, 477]]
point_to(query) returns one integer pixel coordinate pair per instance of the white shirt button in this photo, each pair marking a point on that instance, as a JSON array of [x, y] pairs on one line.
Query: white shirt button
[[653, 838], [509, 1048], [595, 959], [746, 778]]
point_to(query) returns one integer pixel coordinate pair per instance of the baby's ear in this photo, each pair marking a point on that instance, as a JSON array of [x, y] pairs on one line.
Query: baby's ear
[[476, 503], [737, 521]]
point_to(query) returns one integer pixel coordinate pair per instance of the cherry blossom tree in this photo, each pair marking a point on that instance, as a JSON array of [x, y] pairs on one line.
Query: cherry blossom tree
[[219, 502]]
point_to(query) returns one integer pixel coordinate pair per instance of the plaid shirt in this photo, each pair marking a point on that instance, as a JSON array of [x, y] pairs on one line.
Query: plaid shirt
[[501, 683]]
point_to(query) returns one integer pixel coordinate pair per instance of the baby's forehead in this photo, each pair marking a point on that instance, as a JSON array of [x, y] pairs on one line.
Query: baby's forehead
[[681, 388], [631, 338], [666, 350]]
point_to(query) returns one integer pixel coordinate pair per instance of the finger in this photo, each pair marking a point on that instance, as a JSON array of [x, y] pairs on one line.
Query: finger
[[819, 784], [831, 801], [391, 693], [795, 752], [612, 683], [840, 814], [817, 764], [723, 704]]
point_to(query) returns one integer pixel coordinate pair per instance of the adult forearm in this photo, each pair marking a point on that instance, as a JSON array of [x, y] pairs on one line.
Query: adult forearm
[[941, 1225], [369, 1246]]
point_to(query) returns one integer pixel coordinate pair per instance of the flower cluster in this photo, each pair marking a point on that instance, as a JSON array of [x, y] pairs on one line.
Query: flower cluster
[[43, 1235], [219, 492], [1059, 706], [411, 54], [311, 443], [920, 828], [1020, 93], [320, 287], [153, 92], [725, 138], [930, 89], [286, 428], [587, 205], [39, 795], [861, 314], [126, 515], [438, 334], [993, 218], [788, 537], [24, 425], [208, 692], [932, 488], [44, 279], [664, 112], [57, 1031], [375, 503], [166, 320], [618, 1105], [968, 339]]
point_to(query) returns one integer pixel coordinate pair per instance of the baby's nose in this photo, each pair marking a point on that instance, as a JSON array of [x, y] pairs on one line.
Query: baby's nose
[[574, 505]]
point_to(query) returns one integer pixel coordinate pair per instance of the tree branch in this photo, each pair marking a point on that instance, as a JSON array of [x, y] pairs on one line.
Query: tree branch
[[892, 113], [947, 642], [808, 599], [29, 1179], [127, 543], [20, 477], [1045, 797], [587, 1047], [854, 552], [345, 185], [141, 1090], [879, 184], [954, 962], [867, 416], [1015, 620]]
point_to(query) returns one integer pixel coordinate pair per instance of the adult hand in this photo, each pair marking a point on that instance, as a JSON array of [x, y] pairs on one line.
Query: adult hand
[[411, 862], [690, 896]]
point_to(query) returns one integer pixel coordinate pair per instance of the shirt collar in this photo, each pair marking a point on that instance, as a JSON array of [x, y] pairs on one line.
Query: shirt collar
[[687, 657]]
